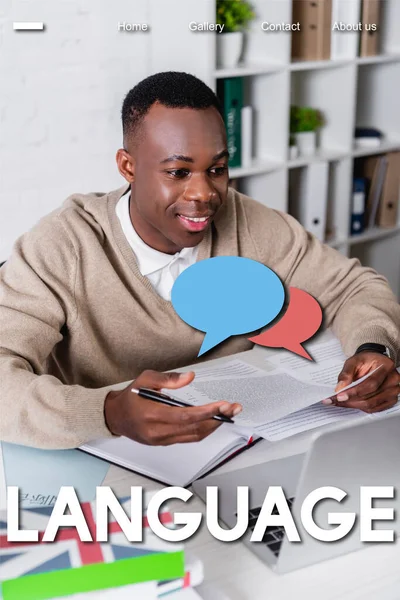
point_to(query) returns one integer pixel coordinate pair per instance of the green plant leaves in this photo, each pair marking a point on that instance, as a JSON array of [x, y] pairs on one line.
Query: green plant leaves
[[304, 118], [234, 15]]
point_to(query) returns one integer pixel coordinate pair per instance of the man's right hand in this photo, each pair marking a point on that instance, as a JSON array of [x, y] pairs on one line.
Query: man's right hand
[[156, 424]]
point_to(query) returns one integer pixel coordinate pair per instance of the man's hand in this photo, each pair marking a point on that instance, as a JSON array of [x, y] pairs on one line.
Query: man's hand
[[155, 424], [378, 392]]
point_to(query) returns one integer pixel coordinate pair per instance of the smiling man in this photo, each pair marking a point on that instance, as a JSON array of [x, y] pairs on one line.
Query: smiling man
[[85, 295]]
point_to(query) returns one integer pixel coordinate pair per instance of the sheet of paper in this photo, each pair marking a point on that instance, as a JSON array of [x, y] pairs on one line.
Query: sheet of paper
[[328, 362], [231, 368], [265, 396], [40, 473], [285, 384], [314, 416], [308, 418], [327, 354], [357, 382], [389, 411]]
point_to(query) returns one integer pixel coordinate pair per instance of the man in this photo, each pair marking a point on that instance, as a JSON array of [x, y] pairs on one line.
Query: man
[[85, 294]]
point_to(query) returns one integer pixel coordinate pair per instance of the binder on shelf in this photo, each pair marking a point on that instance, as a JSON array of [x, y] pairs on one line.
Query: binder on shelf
[[374, 170], [358, 206], [230, 94], [310, 204], [345, 44], [247, 136], [370, 21], [390, 198], [313, 40]]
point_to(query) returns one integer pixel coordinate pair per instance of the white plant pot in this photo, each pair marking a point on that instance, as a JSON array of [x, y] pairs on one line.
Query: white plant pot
[[306, 142], [293, 152], [229, 49]]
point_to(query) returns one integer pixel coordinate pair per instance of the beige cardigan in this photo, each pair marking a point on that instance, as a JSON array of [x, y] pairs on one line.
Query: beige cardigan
[[76, 315]]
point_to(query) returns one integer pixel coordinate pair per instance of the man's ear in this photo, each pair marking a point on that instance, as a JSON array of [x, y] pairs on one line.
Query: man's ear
[[126, 165]]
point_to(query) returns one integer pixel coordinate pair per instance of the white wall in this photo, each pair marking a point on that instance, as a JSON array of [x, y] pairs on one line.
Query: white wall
[[61, 92]]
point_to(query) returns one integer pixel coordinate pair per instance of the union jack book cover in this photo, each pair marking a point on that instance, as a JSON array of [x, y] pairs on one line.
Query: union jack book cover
[[42, 570]]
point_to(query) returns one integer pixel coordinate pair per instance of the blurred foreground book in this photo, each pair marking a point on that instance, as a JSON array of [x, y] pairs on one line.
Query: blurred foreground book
[[39, 570]]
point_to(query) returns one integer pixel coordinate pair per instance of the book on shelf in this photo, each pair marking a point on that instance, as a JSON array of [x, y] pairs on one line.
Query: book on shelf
[[230, 94], [389, 205], [313, 40], [367, 137], [308, 197], [370, 33], [382, 173], [344, 44], [358, 205], [374, 170], [246, 136]]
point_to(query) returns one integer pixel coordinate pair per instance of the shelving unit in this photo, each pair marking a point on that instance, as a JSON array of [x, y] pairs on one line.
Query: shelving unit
[[350, 92]]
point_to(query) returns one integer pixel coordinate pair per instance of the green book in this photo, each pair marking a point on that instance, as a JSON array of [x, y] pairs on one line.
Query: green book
[[230, 94]]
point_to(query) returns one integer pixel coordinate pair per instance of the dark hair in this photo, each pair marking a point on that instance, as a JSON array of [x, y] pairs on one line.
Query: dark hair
[[171, 89]]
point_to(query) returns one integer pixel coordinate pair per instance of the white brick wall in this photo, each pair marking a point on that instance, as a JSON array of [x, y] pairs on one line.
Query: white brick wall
[[61, 92]]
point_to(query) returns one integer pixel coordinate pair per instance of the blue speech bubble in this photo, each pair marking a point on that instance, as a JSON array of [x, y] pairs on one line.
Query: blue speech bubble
[[225, 296]]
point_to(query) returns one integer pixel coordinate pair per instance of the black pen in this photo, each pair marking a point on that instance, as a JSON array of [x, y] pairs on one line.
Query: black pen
[[164, 399]]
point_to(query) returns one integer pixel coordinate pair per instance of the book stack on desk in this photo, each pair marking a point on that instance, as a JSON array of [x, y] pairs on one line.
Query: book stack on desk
[[38, 571]]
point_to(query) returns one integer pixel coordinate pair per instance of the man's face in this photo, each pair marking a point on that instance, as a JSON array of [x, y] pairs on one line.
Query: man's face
[[179, 176]]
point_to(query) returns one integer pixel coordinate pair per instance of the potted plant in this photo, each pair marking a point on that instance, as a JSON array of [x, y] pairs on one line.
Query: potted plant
[[234, 15], [304, 123]]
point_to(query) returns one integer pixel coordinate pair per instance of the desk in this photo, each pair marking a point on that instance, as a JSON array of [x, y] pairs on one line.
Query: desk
[[370, 574]]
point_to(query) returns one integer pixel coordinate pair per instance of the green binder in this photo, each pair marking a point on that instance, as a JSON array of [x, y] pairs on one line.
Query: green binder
[[230, 94]]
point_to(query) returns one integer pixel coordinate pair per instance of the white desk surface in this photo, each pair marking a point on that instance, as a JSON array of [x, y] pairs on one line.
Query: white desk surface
[[234, 572]]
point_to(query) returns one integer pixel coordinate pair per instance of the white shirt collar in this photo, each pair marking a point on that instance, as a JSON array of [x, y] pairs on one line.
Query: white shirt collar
[[149, 260]]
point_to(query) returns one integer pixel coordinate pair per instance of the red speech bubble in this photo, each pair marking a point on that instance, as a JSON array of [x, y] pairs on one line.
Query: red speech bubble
[[301, 320]]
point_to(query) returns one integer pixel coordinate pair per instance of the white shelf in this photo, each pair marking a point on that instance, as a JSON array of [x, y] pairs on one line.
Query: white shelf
[[266, 166], [386, 146], [246, 69], [350, 92], [380, 58], [309, 65], [253, 68], [328, 155], [336, 243], [376, 233], [257, 168], [369, 235]]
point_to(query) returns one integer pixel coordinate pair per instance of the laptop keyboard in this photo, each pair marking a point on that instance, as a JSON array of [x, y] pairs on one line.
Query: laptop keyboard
[[273, 536]]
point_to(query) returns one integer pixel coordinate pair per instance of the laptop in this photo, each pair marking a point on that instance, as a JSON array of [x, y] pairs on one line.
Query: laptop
[[362, 453]]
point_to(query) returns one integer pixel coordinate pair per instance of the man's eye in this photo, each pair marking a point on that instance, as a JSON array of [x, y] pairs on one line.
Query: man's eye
[[179, 173], [218, 171]]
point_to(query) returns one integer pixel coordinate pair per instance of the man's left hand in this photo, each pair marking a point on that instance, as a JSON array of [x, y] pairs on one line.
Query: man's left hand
[[378, 392]]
